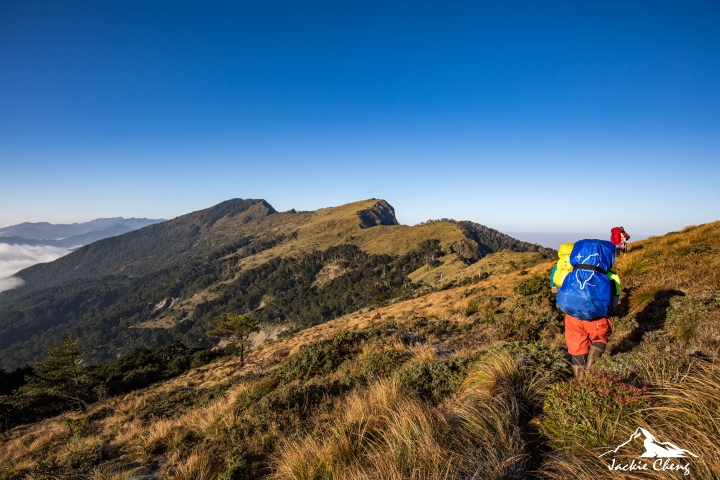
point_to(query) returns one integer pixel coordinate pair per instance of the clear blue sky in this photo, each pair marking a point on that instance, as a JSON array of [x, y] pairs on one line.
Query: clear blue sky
[[524, 116]]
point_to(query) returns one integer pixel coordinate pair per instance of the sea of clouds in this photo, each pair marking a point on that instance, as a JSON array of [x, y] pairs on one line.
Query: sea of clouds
[[14, 258]]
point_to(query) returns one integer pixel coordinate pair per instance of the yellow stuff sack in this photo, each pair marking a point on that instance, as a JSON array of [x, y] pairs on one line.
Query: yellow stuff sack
[[563, 264]]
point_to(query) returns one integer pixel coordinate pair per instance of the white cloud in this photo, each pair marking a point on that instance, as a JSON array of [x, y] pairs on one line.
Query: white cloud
[[14, 258], [9, 283]]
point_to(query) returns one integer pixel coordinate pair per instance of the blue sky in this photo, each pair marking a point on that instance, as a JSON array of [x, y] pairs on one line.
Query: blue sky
[[523, 116]]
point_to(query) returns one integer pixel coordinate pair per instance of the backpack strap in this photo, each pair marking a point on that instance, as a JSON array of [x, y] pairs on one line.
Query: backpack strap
[[581, 266]]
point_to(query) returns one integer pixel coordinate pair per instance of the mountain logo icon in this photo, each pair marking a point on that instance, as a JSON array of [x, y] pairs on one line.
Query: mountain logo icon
[[654, 448]]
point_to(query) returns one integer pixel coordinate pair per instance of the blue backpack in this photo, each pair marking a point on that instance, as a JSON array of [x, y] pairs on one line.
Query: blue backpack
[[586, 292]]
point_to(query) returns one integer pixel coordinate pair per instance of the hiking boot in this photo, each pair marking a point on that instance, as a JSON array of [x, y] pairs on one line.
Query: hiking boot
[[593, 355], [579, 372]]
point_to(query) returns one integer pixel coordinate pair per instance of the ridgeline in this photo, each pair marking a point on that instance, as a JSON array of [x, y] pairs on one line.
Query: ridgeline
[[167, 281]]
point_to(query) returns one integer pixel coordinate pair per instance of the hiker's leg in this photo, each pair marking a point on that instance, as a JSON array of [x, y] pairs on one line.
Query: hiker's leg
[[579, 366], [599, 333], [578, 343]]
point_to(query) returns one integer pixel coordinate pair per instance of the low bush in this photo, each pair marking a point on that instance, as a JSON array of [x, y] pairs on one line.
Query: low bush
[[432, 380], [550, 362], [241, 467], [574, 410], [532, 286], [319, 358], [519, 326], [377, 362], [295, 402]]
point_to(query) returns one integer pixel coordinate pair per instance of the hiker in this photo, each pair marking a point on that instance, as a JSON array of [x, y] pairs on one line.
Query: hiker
[[619, 238], [563, 267], [585, 296]]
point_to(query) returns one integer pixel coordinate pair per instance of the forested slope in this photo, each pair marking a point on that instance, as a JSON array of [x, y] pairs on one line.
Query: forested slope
[[166, 281]]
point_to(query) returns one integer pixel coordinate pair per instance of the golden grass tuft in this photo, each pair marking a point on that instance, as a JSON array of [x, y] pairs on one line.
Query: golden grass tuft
[[384, 432], [380, 433], [633, 265], [111, 472], [198, 465], [419, 352], [687, 413]]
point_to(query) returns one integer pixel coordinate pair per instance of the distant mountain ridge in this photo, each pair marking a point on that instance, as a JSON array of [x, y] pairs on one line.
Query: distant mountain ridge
[[73, 241], [168, 280], [44, 231]]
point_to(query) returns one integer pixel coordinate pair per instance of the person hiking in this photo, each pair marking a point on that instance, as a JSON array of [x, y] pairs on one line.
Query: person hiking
[[586, 295], [619, 238], [563, 266]]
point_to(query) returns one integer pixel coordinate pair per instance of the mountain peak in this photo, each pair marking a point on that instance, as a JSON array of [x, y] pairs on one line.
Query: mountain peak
[[381, 213]]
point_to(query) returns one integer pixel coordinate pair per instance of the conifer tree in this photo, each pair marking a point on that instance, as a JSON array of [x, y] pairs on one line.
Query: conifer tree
[[237, 328], [61, 376]]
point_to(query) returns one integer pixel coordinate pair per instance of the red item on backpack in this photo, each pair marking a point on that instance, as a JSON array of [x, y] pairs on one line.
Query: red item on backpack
[[616, 236]]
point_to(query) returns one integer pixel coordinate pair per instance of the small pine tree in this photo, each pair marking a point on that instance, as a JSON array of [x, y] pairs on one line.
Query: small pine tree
[[61, 376], [237, 328]]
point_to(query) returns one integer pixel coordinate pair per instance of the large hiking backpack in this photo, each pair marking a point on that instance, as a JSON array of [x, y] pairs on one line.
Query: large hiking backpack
[[616, 236], [563, 265], [586, 292]]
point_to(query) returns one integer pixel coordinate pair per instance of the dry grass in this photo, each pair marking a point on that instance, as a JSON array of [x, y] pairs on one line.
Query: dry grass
[[643, 296], [198, 465], [110, 472], [386, 433]]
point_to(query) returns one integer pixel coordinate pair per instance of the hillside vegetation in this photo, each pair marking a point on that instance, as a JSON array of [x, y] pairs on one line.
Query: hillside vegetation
[[467, 382], [166, 282]]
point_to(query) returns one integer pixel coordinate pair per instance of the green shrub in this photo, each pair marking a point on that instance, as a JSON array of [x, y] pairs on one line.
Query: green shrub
[[437, 328], [77, 427], [472, 307], [471, 291], [432, 380], [519, 326], [81, 461], [296, 402], [488, 306], [532, 286], [697, 248], [383, 329], [550, 361], [588, 411], [241, 467], [319, 358], [377, 363]]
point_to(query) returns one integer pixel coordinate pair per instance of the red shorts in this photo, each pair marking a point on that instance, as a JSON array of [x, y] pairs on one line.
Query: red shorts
[[580, 334]]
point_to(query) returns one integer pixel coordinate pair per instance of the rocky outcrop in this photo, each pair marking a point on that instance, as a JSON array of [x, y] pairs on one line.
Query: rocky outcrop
[[382, 213]]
